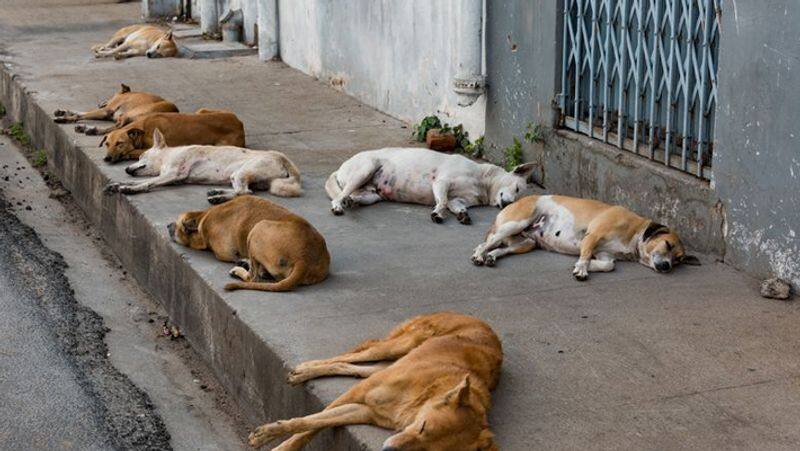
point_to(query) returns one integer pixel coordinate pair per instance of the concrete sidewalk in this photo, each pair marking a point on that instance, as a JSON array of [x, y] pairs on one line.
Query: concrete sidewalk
[[630, 359]]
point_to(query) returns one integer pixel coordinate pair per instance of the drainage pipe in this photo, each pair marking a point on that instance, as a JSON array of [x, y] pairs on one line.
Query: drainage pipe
[[268, 29], [209, 17], [469, 82]]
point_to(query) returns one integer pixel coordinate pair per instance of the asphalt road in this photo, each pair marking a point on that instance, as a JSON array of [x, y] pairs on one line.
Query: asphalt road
[[59, 389]]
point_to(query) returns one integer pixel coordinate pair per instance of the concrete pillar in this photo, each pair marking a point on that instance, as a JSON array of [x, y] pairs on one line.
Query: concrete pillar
[[152, 9], [469, 81], [250, 12], [268, 30], [209, 16]]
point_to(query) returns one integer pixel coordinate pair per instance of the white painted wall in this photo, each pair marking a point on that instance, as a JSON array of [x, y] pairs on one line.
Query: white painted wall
[[397, 56]]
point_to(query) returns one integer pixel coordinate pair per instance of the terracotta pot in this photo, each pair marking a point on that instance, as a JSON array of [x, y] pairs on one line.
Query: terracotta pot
[[443, 142]]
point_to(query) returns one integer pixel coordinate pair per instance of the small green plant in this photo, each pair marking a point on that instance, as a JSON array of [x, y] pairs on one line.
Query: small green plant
[[421, 129], [39, 158], [2, 110], [17, 131], [512, 155], [476, 149], [534, 133]]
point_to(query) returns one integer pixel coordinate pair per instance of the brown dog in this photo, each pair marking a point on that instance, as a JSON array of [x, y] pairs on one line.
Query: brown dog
[[123, 108], [436, 394], [278, 243], [204, 127], [137, 40]]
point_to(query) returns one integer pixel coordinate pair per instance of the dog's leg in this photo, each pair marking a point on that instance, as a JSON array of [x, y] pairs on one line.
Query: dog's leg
[[63, 117], [354, 181], [104, 53], [128, 53], [494, 239], [603, 262], [514, 245], [459, 208], [370, 351], [334, 369], [440, 188], [588, 245], [296, 442], [340, 415], [161, 180], [365, 197]]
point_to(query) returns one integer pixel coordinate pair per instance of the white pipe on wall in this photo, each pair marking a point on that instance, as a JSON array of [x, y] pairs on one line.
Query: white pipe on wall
[[268, 47], [469, 82]]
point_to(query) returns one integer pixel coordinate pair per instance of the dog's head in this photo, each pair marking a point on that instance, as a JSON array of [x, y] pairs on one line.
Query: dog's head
[[506, 186], [661, 249], [122, 144], [186, 230], [164, 47], [149, 163], [455, 421]]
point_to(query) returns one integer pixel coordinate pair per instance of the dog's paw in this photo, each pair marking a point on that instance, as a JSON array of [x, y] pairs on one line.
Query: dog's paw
[[238, 272], [296, 377], [337, 210], [91, 131], [437, 218], [580, 273], [219, 199], [60, 120], [111, 188], [80, 128], [266, 433], [348, 202], [125, 189], [464, 218], [477, 260], [244, 263], [214, 192], [59, 113], [490, 260]]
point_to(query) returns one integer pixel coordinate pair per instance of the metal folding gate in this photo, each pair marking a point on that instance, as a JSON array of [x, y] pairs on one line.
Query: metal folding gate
[[642, 75]]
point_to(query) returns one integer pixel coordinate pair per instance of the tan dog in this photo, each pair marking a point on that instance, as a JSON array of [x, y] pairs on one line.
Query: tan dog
[[599, 233], [272, 240], [138, 40], [204, 127], [436, 393], [123, 108]]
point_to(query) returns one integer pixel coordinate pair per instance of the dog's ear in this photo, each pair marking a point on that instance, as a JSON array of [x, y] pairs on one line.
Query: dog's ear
[[690, 260], [124, 88], [524, 169], [459, 396], [654, 229], [190, 224], [136, 134], [159, 142], [103, 141], [168, 35]]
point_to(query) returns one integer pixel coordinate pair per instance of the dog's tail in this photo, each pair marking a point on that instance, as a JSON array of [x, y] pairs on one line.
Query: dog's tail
[[288, 186], [287, 284], [332, 186]]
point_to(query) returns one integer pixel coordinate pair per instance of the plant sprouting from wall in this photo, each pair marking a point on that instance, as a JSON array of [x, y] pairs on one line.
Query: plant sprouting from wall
[[512, 155], [534, 133]]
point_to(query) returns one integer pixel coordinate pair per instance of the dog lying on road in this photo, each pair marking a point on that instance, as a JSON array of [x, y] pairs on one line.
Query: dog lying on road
[[216, 165], [123, 108], [137, 40], [422, 176], [271, 240], [599, 233], [208, 127], [436, 393]]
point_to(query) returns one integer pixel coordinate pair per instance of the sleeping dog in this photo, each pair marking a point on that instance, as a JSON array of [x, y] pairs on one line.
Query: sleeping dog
[[599, 233], [208, 127], [122, 108], [265, 239], [422, 176], [436, 393], [243, 168], [137, 40]]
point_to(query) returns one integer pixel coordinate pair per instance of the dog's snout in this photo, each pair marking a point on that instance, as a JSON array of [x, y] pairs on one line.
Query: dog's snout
[[129, 170], [107, 158], [663, 266], [171, 230], [149, 54], [504, 203]]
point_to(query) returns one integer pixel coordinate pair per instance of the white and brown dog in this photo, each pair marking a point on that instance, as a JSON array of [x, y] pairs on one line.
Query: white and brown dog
[[422, 176], [138, 40], [599, 233], [243, 168]]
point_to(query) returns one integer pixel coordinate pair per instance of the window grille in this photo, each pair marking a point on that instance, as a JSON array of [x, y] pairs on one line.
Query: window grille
[[642, 75]]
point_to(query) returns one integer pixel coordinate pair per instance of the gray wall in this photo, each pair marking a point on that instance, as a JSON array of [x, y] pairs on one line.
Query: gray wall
[[757, 158]]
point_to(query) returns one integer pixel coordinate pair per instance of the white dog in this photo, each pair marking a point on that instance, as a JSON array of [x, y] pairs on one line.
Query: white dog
[[422, 176], [214, 165]]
